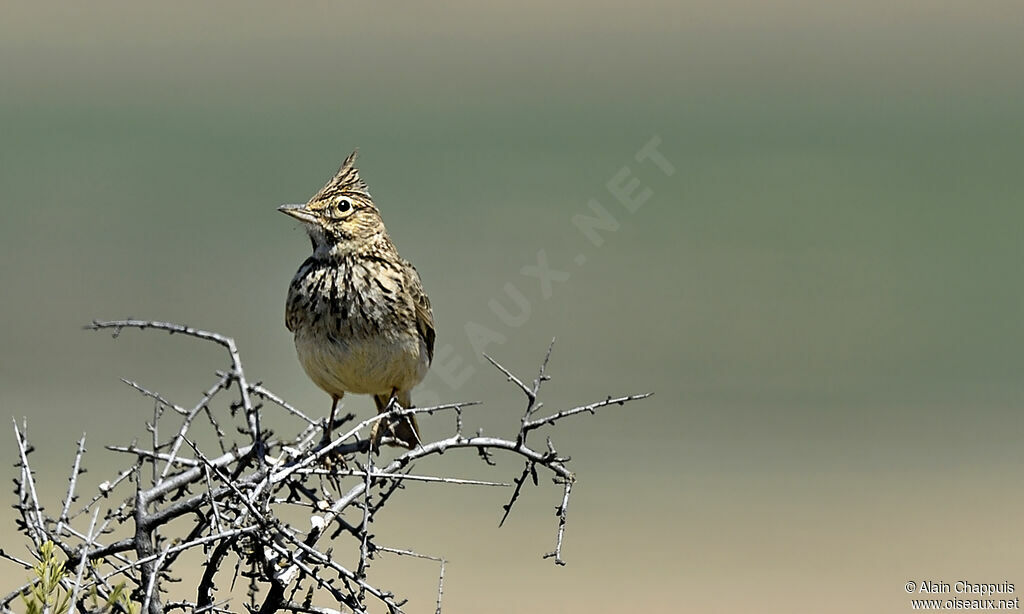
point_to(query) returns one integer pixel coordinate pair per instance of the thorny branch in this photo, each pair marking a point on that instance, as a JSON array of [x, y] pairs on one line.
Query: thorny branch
[[231, 505]]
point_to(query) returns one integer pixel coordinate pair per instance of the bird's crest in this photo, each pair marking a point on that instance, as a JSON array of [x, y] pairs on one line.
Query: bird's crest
[[346, 181]]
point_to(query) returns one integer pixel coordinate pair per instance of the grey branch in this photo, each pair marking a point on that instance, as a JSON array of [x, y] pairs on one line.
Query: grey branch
[[231, 503]]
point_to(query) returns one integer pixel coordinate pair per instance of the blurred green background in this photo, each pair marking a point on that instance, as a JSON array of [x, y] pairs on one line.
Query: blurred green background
[[825, 297]]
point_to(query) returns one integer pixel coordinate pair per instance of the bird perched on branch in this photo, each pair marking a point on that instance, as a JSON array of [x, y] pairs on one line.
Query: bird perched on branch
[[362, 322]]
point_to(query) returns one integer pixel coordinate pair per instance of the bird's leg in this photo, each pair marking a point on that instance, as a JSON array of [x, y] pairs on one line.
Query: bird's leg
[[391, 406], [327, 460], [411, 432], [377, 432], [400, 431], [330, 421], [383, 428]]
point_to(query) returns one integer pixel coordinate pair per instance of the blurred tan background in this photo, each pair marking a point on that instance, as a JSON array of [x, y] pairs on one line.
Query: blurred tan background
[[825, 297]]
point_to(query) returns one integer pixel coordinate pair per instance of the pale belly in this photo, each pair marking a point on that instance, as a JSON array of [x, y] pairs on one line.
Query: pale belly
[[363, 366]]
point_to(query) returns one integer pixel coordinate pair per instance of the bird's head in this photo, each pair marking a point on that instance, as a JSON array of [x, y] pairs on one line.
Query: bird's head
[[341, 216]]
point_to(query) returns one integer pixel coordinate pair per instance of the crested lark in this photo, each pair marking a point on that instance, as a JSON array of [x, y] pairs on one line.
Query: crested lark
[[361, 320]]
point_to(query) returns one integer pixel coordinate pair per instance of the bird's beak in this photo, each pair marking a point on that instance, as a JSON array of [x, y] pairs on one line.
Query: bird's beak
[[299, 212]]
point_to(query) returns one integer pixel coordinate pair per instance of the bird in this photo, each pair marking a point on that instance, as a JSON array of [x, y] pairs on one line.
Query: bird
[[362, 322]]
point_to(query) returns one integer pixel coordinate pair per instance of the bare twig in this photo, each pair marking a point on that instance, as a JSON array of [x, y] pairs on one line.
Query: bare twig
[[33, 517], [440, 577], [76, 469], [535, 424], [562, 511], [404, 476], [234, 503], [221, 384], [237, 372], [83, 560], [260, 391]]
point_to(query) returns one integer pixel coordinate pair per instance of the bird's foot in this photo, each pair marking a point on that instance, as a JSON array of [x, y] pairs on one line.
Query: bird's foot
[[334, 460]]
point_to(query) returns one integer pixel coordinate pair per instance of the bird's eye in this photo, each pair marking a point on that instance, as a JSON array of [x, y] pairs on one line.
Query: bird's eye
[[344, 205]]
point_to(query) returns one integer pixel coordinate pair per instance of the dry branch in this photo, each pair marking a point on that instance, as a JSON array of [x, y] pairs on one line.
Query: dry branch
[[230, 502]]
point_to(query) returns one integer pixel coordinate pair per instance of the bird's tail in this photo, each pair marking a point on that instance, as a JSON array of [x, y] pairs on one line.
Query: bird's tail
[[403, 430]]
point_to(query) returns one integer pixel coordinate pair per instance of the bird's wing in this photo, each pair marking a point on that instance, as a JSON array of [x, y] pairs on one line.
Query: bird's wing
[[424, 315]]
